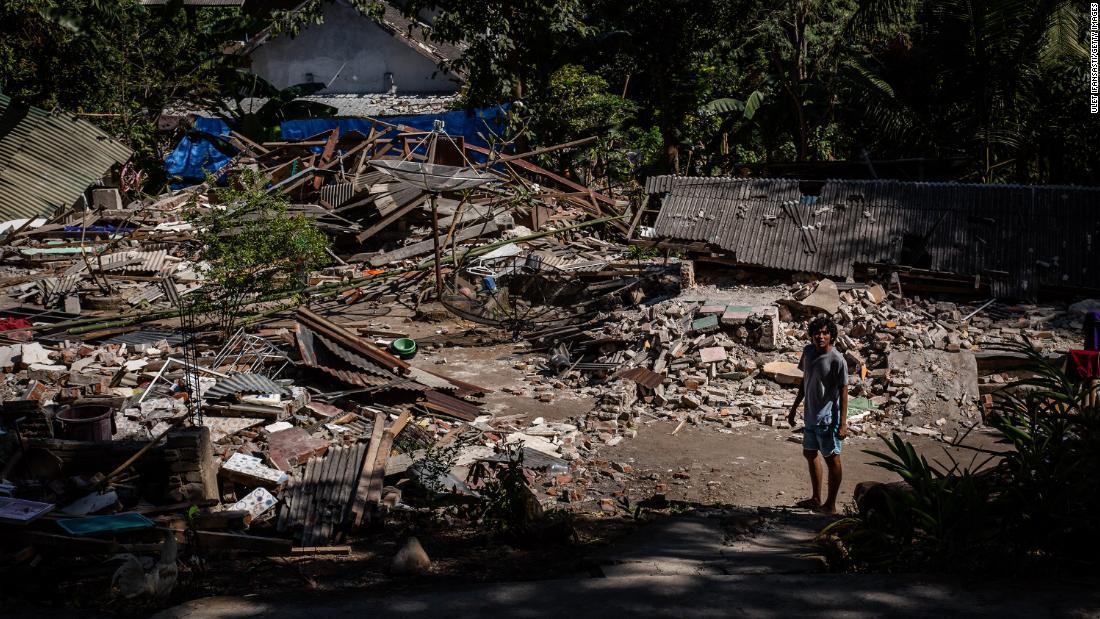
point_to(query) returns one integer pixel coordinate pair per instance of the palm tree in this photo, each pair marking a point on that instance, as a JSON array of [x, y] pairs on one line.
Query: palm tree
[[973, 76]]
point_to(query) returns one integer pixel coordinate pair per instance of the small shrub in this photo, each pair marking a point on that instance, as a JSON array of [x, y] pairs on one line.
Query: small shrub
[[250, 245]]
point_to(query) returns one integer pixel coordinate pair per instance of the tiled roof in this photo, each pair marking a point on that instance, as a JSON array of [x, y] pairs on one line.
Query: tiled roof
[[48, 159], [1013, 237]]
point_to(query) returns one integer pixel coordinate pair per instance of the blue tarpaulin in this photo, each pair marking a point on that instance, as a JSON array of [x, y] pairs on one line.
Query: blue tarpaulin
[[196, 153], [473, 126]]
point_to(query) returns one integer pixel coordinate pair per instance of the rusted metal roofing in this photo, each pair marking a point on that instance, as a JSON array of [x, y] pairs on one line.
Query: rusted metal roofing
[[1016, 238], [644, 377], [48, 159], [450, 406], [352, 358]]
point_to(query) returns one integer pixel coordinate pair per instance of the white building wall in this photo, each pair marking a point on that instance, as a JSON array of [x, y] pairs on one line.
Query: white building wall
[[355, 51]]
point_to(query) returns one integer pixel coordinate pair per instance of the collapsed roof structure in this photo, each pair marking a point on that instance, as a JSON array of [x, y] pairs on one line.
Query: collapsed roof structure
[[1014, 240]]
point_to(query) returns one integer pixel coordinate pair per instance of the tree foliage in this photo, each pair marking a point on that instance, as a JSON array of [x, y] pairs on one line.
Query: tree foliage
[[117, 61], [699, 86], [251, 245], [1000, 85]]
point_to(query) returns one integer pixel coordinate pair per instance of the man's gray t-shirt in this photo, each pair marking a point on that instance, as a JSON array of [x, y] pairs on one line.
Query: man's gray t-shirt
[[823, 376]]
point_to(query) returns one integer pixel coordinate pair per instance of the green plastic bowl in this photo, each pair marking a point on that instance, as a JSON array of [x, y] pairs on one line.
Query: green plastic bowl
[[404, 348]]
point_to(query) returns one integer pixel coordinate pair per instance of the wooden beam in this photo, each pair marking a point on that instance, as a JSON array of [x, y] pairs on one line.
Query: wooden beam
[[366, 471]]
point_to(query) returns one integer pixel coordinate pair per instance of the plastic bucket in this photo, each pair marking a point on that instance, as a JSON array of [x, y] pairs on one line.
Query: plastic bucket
[[404, 348], [90, 422]]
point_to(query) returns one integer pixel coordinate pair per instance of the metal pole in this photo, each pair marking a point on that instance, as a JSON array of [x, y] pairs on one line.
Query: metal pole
[[435, 242]]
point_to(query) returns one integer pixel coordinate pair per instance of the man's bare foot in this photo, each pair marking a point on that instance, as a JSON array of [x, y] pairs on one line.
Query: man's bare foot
[[826, 509], [810, 503]]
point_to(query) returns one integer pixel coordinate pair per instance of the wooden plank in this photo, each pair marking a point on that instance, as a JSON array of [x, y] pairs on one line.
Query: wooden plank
[[402, 420], [374, 492], [366, 471], [209, 541], [423, 247], [394, 215], [530, 167]]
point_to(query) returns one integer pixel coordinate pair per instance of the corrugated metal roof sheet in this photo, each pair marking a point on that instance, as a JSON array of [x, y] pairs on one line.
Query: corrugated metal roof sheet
[[451, 406], [47, 160], [337, 193], [242, 382], [644, 377], [352, 358], [149, 337], [138, 261], [1013, 237]]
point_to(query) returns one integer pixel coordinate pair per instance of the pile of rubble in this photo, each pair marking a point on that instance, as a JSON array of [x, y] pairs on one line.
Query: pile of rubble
[[707, 358], [124, 415]]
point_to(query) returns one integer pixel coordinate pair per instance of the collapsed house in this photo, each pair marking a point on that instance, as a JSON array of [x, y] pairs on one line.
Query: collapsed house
[[1009, 241], [129, 424], [123, 409]]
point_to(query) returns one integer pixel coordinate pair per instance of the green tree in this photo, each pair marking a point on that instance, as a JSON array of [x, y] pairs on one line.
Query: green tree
[[1001, 83], [251, 245], [115, 61], [510, 47]]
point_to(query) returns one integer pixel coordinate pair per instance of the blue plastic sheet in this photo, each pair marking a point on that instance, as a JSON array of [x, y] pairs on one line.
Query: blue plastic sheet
[[473, 126], [196, 154], [99, 228]]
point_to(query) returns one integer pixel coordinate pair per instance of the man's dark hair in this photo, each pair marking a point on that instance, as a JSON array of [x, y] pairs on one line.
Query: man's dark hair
[[819, 323]]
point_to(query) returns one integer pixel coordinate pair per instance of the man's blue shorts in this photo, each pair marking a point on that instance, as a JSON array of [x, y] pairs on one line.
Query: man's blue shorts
[[821, 438]]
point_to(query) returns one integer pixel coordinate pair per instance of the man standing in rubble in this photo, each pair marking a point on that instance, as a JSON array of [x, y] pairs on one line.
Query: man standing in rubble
[[824, 388]]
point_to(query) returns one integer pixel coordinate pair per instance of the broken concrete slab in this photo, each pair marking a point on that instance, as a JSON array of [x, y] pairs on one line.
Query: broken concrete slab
[[713, 354], [33, 352], [824, 298], [783, 372], [945, 384], [735, 315], [706, 324], [876, 293], [251, 469]]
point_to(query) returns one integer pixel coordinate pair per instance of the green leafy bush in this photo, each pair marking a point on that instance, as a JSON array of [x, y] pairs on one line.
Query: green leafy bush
[[1032, 507], [250, 244]]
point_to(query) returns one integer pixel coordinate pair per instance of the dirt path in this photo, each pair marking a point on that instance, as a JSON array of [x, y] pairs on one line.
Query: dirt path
[[757, 466]]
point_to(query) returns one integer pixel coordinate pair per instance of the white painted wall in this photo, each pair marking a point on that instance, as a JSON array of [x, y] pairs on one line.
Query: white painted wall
[[363, 48]]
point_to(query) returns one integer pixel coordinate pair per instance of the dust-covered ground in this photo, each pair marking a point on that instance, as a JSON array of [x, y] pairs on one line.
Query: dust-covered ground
[[753, 465]]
